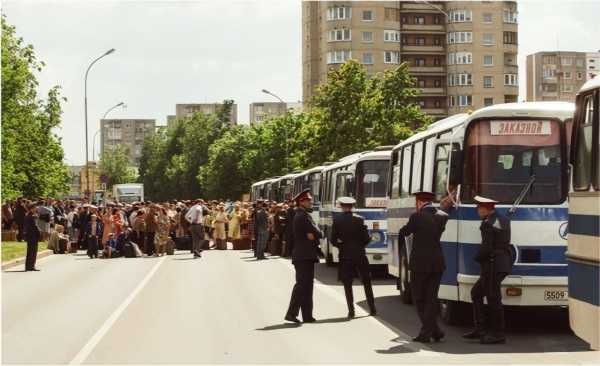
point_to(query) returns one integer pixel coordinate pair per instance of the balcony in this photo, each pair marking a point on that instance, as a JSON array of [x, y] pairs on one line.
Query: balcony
[[550, 94], [434, 111], [431, 91], [423, 27], [549, 79], [417, 48], [422, 8], [433, 69]]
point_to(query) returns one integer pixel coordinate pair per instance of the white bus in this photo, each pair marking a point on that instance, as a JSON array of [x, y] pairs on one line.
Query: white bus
[[499, 152], [285, 187], [583, 255], [265, 189], [362, 176], [310, 178]]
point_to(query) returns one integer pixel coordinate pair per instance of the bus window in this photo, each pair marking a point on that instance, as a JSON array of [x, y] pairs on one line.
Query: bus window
[[417, 167], [371, 180], [440, 171], [315, 186], [583, 153], [502, 155], [341, 186], [395, 178], [406, 170]]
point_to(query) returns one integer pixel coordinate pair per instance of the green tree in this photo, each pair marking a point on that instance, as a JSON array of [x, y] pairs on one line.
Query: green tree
[[114, 164], [32, 156]]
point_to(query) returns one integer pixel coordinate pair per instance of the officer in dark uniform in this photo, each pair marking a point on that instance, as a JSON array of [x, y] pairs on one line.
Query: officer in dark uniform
[[32, 236], [350, 235], [495, 258], [304, 256], [426, 263]]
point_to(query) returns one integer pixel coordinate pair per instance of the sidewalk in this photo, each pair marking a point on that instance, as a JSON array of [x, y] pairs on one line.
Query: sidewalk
[[15, 262]]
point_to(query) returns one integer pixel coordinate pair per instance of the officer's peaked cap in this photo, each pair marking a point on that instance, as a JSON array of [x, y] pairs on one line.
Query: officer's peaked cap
[[305, 194], [346, 201], [424, 195], [484, 201]]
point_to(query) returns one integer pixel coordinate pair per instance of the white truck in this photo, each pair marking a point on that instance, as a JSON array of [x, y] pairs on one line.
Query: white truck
[[127, 193]]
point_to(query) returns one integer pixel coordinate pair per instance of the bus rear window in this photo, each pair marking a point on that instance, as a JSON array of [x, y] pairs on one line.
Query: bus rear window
[[502, 155]]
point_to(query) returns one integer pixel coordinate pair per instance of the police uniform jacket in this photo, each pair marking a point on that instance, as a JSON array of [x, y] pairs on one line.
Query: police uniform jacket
[[495, 244], [426, 226], [32, 230], [350, 235], [304, 248]]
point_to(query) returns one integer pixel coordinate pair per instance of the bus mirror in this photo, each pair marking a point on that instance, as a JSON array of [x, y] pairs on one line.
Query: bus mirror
[[456, 165]]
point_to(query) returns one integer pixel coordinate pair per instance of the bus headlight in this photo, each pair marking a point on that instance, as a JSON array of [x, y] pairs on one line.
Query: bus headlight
[[376, 237]]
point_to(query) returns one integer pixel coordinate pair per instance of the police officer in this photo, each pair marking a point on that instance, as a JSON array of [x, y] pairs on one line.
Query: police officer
[[350, 235], [426, 263], [304, 256], [495, 258], [32, 235]]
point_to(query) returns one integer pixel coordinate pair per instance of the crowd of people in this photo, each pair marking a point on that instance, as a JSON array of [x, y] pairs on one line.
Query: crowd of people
[[113, 229]]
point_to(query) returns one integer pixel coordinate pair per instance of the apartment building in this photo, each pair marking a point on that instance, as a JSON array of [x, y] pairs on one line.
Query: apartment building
[[556, 75], [462, 53], [592, 64], [189, 109], [129, 133], [262, 111]]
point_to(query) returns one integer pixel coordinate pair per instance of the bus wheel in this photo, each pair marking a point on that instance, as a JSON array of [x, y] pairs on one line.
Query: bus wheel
[[403, 278], [453, 312]]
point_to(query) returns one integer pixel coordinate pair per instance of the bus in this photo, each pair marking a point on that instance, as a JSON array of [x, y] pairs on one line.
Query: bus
[[285, 187], [583, 254], [310, 178], [515, 153], [264, 190], [362, 176]]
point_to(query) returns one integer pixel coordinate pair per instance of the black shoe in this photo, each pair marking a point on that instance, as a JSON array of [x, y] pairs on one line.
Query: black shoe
[[309, 320], [36, 270], [292, 319], [351, 314], [492, 339], [373, 312], [422, 339], [475, 334], [437, 336]]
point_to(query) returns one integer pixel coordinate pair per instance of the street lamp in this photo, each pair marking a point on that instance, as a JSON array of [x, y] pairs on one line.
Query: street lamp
[[286, 132], [100, 129], [87, 162]]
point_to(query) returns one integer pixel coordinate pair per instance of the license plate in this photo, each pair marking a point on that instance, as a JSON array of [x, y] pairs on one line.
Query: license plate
[[556, 295]]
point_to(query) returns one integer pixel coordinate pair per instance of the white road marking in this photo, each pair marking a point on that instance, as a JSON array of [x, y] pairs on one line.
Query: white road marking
[[403, 338], [97, 337]]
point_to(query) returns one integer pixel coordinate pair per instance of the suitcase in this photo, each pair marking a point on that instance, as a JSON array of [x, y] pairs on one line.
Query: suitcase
[[128, 251], [170, 247]]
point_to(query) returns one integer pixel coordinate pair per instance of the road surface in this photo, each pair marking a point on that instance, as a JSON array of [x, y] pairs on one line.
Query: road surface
[[228, 308]]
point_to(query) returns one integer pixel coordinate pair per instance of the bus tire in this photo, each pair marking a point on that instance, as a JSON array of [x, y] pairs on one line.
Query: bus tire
[[453, 312], [404, 277]]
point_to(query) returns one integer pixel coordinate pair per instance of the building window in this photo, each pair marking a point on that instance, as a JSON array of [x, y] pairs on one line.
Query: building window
[[339, 13], [367, 15], [579, 62], [488, 60], [568, 75], [488, 101], [465, 100], [437, 41], [420, 41], [367, 36], [338, 57], [566, 61], [419, 62], [259, 118], [488, 38], [391, 57], [510, 38], [339, 35], [460, 37], [566, 88], [487, 17], [436, 103], [488, 81], [579, 75], [451, 101], [437, 83], [510, 16], [548, 72], [392, 14], [437, 61], [391, 36], [421, 83], [460, 80], [367, 58], [511, 79], [457, 16], [460, 58], [436, 19], [421, 103], [420, 20]]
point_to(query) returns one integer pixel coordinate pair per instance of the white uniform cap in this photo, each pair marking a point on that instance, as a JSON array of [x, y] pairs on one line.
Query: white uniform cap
[[346, 201], [480, 199]]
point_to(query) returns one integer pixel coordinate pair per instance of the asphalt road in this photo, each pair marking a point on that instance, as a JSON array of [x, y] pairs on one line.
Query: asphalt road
[[229, 308]]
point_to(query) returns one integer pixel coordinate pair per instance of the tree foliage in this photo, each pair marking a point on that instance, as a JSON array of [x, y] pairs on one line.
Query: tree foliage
[[114, 164], [32, 156], [352, 112]]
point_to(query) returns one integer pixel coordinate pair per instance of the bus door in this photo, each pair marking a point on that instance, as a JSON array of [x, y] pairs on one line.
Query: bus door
[[447, 170], [344, 187]]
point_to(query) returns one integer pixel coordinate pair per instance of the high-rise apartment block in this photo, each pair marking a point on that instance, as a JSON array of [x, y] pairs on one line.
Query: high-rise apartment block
[[558, 75], [462, 53], [129, 133], [188, 110]]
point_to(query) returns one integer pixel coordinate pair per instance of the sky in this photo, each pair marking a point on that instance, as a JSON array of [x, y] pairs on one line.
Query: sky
[[170, 52]]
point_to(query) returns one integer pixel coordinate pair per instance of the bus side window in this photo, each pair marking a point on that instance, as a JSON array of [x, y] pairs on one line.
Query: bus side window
[[417, 165], [395, 175], [406, 171], [583, 154], [440, 171]]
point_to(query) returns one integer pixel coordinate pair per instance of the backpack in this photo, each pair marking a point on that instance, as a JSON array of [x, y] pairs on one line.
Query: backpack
[[128, 250]]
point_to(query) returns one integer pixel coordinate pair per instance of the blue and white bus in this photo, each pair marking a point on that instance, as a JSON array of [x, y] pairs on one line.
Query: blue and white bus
[[264, 189], [583, 255], [284, 187], [499, 152], [362, 176], [310, 178]]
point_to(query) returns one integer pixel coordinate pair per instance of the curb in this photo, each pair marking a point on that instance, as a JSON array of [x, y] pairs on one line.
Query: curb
[[16, 262]]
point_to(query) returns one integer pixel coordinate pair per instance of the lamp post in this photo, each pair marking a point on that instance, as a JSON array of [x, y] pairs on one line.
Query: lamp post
[[287, 168], [87, 162], [100, 129]]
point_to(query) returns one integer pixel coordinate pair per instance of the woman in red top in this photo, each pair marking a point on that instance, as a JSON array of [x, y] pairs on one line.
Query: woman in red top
[[116, 222]]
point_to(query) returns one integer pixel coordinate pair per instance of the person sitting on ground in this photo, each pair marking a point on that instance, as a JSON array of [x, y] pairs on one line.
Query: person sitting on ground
[[110, 247], [58, 241]]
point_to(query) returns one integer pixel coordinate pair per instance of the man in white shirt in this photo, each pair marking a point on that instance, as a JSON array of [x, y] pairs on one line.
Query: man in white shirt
[[195, 216]]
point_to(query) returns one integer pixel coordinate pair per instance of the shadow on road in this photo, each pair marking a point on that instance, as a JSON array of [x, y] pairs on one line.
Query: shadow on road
[[328, 276], [281, 326]]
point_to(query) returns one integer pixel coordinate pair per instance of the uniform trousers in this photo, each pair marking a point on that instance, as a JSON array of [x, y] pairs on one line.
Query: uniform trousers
[[302, 294], [425, 287], [488, 286], [197, 237], [348, 268], [31, 256], [261, 243]]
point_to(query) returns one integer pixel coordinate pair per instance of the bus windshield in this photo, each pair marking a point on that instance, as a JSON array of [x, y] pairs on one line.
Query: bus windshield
[[371, 180], [502, 155], [315, 186]]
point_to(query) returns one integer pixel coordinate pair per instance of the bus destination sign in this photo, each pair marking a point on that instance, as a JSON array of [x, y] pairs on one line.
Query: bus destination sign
[[511, 128]]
